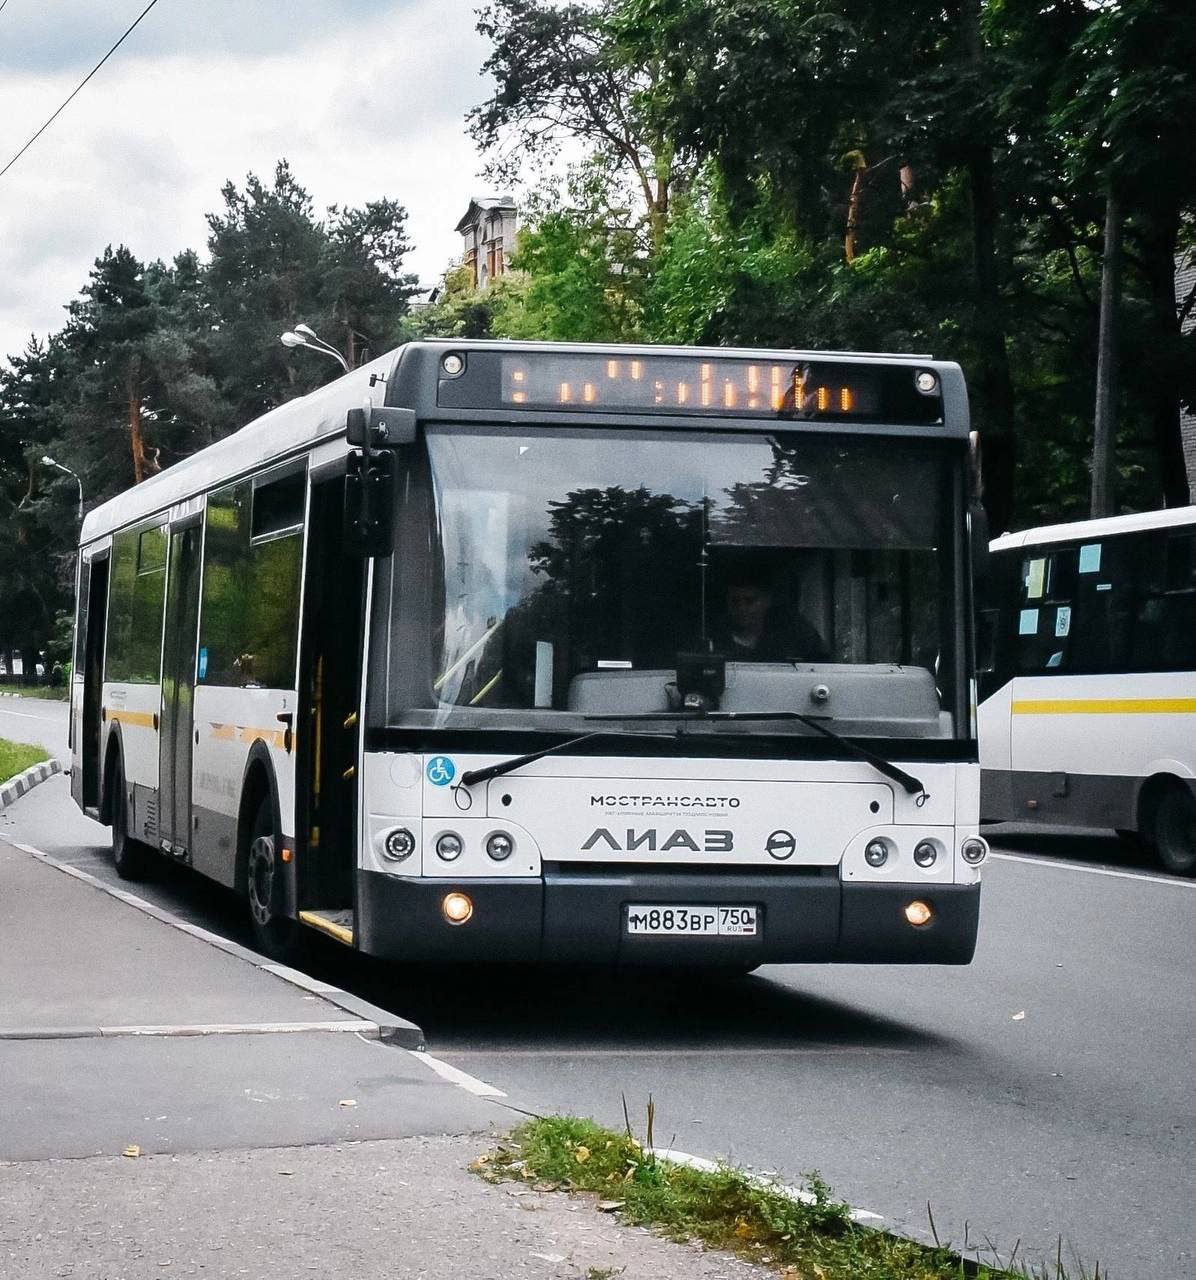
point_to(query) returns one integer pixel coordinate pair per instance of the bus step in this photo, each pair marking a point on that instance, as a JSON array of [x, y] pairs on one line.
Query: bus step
[[336, 924]]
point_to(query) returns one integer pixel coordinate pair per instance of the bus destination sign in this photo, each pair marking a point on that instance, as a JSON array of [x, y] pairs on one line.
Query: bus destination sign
[[829, 391]]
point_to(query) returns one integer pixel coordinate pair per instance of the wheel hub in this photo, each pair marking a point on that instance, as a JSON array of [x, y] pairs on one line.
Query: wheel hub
[[261, 879]]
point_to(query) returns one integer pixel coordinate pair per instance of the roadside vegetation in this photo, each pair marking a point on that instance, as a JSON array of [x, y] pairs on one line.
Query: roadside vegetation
[[808, 1238], [16, 757], [45, 692]]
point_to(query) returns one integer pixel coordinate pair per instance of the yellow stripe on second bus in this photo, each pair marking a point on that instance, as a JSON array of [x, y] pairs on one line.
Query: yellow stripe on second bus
[[1104, 706]]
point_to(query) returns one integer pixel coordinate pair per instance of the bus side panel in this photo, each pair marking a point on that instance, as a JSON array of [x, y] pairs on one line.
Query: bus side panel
[[135, 708], [228, 721], [1082, 745]]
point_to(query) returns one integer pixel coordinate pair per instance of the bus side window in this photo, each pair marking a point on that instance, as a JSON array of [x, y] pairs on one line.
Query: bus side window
[[1045, 613]]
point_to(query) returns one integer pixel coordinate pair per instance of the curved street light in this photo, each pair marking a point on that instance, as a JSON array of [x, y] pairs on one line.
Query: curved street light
[[305, 336], [47, 461]]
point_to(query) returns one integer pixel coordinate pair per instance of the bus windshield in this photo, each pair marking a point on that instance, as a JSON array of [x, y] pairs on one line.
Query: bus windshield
[[571, 567]]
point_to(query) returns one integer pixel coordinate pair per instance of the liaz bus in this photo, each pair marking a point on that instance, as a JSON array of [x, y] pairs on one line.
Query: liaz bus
[[504, 651], [1089, 711]]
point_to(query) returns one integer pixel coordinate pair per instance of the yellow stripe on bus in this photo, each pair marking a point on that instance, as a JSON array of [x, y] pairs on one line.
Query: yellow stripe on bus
[[1105, 707], [143, 718]]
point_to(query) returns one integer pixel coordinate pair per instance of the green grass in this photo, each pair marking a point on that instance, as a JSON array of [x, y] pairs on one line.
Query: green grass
[[47, 692], [15, 757], [728, 1208]]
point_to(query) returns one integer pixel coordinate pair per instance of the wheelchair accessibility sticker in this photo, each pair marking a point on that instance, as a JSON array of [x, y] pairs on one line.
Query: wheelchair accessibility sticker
[[441, 771]]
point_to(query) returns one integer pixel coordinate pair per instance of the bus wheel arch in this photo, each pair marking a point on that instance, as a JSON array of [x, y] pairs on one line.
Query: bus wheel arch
[[113, 761], [130, 856], [263, 879], [1167, 821]]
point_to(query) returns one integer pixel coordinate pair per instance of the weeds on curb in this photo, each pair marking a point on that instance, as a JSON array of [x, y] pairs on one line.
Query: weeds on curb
[[808, 1239]]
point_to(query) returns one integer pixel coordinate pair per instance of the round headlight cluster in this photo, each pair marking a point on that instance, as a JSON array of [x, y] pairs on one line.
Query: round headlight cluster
[[925, 853], [974, 850], [449, 846], [499, 846], [398, 844], [876, 854]]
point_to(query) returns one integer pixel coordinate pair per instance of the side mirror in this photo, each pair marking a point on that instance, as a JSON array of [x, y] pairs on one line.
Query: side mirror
[[380, 428], [979, 537], [370, 494]]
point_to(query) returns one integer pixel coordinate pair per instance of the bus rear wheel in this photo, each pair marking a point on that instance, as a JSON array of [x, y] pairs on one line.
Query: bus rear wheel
[[130, 857], [1175, 831], [274, 934]]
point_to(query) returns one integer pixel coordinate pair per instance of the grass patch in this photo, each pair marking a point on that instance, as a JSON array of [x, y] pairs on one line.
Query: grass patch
[[16, 757], [44, 692], [729, 1209]]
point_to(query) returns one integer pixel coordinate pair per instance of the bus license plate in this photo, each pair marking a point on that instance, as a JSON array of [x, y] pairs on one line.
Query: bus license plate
[[700, 921]]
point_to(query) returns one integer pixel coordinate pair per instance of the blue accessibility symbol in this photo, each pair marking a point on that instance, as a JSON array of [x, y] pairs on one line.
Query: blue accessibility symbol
[[441, 771]]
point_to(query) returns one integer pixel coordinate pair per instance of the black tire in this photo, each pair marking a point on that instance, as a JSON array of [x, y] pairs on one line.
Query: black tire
[[275, 935], [1174, 831], [131, 857]]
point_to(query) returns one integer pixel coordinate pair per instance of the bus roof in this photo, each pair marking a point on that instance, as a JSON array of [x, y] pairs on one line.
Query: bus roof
[[307, 420], [1104, 528]]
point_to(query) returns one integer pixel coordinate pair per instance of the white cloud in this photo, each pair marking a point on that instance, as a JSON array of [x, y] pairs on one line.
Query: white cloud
[[361, 110]]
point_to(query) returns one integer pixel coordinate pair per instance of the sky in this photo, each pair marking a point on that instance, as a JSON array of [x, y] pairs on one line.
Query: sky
[[365, 98]]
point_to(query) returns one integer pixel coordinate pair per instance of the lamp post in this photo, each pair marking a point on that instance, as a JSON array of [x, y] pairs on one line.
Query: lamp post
[[47, 461], [304, 336]]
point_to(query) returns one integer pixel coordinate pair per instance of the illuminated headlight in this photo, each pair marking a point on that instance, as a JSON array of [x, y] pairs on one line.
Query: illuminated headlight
[[397, 844], [925, 853], [500, 846], [456, 907], [876, 854], [449, 846], [974, 850], [919, 914]]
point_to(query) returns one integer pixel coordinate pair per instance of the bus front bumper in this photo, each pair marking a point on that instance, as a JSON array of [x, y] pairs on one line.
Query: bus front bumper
[[571, 917]]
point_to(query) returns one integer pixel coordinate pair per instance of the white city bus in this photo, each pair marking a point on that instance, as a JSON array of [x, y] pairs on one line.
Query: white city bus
[[1089, 710], [501, 651]]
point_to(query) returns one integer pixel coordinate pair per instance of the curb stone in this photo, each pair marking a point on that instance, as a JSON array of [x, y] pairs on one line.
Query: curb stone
[[16, 787]]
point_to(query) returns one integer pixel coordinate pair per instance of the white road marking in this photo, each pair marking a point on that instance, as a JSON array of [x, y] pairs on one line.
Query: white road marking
[[471, 1084], [1095, 871], [571, 1051], [21, 715], [862, 1216]]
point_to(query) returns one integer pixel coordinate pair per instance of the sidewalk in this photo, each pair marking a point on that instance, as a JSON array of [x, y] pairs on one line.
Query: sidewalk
[[266, 1131]]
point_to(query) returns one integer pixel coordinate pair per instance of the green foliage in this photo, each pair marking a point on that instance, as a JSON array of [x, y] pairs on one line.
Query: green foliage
[[725, 1208], [16, 757]]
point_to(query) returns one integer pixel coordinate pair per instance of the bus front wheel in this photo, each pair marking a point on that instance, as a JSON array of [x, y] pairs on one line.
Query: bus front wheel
[[1175, 830], [275, 935], [130, 856]]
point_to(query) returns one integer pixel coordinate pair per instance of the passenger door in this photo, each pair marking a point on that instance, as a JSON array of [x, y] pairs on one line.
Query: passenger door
[[87, 679], [178, 688]]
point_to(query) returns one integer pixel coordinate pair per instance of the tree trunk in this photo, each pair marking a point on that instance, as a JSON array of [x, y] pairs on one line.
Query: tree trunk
[[993, 381], [136, 442], [1159, 243], [851, 238], [1104, 435]]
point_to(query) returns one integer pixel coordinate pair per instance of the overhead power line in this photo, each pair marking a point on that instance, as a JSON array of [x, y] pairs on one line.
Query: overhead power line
[[63, 106]]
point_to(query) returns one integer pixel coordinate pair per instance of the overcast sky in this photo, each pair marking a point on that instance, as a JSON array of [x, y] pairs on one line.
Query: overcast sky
[[365, 98]]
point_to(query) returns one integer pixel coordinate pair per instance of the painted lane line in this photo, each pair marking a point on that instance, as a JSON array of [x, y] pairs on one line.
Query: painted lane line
[[862, 1217], [796, 1051], [471, 1084], [1061, 865]]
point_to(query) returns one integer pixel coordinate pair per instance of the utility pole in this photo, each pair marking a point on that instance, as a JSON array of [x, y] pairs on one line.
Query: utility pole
[[1104, 435]]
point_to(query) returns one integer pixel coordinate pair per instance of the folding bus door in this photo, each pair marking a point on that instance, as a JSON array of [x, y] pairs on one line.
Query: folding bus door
[[178, 688], [87, 682]]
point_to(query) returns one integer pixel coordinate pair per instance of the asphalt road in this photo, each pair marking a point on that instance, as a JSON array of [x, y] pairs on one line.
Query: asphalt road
[[1045, 1091], [40, 723]]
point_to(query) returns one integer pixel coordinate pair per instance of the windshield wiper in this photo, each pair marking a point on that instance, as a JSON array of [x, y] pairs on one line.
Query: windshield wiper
[[472, 776], [913, 786]]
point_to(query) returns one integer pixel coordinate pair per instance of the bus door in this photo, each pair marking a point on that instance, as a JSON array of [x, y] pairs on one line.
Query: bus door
[[178, 688], [88, 680], [330, 687]]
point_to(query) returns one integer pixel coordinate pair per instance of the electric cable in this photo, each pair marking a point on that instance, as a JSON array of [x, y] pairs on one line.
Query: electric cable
[[79, 86]]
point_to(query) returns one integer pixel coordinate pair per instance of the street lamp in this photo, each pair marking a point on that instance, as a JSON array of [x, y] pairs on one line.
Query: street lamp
[[304, 336], [47, 461]]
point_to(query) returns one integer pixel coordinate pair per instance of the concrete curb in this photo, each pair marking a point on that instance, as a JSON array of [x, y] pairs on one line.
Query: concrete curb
[[16, 787], [376, 1022]]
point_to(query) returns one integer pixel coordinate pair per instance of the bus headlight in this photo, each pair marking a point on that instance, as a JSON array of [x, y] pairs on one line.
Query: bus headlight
[[925, 853], [876, 853], [974, 850], [397, 844], [919, 914], [500, 846], [456, 907], [449, 846]]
